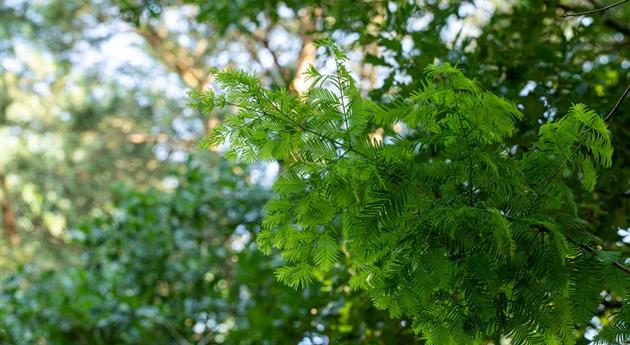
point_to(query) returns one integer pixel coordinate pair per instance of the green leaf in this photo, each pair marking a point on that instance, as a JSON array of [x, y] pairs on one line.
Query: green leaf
[[326, 252]]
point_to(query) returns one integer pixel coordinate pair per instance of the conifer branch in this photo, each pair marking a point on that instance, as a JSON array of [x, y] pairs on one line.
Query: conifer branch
[[546, 183], [292, 122], [345, 118], [470, 167], [287, 118], [304, 128], [582, 140], [601, 9], [385, 220], [343, 102]]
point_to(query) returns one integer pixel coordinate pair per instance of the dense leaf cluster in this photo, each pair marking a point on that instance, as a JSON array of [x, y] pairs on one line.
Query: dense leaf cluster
[[442, 221]]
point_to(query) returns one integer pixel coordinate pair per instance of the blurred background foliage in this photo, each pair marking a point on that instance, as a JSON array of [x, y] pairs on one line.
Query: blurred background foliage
[[115, 229], [180, 267]]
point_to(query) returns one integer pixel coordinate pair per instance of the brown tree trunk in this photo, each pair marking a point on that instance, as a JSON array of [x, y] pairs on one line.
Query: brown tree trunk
[[308, 53], [8, 217], [176, 58], [186, 63]]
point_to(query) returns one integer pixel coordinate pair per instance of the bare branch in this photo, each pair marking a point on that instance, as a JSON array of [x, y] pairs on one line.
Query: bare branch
[[176, 58], [615, 264], [607, 21], [575, 14], [619, 101], [263, 38]]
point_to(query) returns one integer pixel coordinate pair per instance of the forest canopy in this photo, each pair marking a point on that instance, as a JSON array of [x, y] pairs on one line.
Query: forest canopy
[[315, 172]]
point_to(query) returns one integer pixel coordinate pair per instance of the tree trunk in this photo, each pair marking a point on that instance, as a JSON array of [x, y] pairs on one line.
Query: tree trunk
[[8, 217], [308, 53]]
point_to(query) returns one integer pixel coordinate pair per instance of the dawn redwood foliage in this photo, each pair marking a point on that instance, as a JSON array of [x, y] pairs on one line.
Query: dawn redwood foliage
[[442, 221]]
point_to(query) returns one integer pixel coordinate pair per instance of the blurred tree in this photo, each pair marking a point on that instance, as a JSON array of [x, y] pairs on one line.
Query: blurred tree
[[65, 129], [181, 267]]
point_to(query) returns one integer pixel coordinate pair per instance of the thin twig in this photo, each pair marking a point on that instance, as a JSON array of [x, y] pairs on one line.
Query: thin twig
[[575, 14], [615, 264], [343, 102], [263, 38], [619, 101]]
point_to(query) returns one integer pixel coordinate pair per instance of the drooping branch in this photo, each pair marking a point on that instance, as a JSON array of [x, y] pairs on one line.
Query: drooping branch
[[601, 9]]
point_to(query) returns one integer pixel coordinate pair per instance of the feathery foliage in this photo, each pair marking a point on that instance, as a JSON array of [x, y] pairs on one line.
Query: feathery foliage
[[442, 221]]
